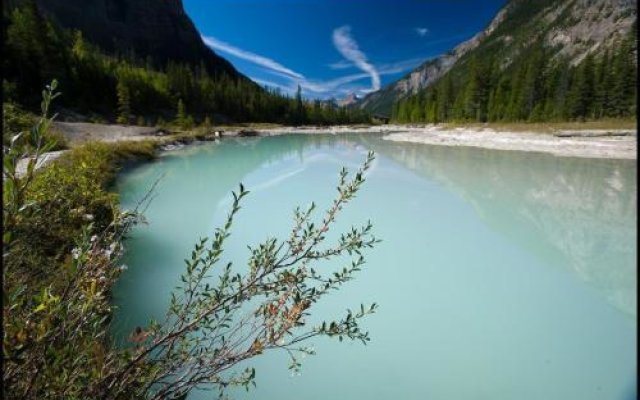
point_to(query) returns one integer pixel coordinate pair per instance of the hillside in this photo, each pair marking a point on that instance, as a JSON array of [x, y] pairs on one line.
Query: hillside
[[135, 62], [422, 76], [160, 30], [566, 30]]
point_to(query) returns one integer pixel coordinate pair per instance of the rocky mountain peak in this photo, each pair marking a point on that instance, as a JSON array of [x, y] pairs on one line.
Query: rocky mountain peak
[[351, 98]]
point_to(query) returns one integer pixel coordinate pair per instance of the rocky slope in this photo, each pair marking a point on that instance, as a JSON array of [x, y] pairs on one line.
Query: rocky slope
[[158, 29], [351, 98], [381, 101], [573, 27]]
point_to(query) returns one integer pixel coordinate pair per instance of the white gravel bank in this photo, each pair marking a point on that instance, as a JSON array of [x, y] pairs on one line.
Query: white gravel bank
[[589, 144]]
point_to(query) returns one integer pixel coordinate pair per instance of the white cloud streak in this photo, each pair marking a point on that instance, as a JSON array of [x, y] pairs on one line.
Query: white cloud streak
[[348, 47], [342, 64], [326, 86], [265, 62], [334, 87], [400, 66], [274, 85], [422, 32]]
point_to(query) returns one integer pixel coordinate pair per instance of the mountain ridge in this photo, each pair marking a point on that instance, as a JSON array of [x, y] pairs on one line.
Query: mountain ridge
[[574, 27], [159, 30]]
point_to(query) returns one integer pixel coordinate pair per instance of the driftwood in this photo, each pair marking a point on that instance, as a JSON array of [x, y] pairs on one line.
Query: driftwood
[[246, 132], [594, 133]]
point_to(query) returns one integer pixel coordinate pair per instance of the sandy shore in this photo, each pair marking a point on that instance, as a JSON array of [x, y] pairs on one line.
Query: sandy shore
[[79, 132]]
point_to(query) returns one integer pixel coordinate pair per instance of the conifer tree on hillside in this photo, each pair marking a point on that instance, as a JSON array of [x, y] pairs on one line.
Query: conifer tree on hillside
[[536, 86], [579, 101], [183, 120], [124, 103], [624, 71], [299, 107]]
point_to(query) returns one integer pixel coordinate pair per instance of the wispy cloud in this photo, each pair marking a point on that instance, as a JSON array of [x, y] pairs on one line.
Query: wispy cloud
[[342, 64], [330, 85], [400, 66], [318, 88], [289, 89], [348, 47], [265, 62], [422, 32]]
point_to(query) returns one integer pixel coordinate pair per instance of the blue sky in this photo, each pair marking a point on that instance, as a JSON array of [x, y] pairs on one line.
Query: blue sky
[[335, 47]]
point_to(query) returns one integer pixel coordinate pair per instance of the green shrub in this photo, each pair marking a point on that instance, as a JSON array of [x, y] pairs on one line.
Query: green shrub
[[14, 120], [62, 247]]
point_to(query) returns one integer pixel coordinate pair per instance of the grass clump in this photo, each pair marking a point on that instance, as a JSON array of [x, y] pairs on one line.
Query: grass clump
[[67, 195]]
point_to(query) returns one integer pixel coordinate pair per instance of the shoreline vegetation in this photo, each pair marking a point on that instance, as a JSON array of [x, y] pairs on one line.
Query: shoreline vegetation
[[62, 248], [613, 139]]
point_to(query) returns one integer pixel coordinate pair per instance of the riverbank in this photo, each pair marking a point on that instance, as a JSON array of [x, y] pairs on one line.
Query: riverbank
[[601, 143], [615, 140], [565, 140]]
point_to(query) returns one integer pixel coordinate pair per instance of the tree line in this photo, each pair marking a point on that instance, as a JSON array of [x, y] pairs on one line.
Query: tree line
[[536, 86], [127, 89]]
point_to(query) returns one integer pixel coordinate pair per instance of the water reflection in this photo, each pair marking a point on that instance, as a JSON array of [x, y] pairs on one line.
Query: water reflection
[[574, 212], [466, 309]]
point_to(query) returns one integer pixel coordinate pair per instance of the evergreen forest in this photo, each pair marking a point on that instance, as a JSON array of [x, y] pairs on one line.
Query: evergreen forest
[[536, 86], [128, 89]]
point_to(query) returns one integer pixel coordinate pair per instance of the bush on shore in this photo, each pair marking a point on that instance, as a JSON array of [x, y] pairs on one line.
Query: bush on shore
[[61, 250]]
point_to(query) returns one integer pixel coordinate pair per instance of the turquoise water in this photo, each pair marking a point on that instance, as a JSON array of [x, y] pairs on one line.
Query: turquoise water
[[501, 275]]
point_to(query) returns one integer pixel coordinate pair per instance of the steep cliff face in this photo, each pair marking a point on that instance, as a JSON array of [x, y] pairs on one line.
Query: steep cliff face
[[158, 29], [573, 28]]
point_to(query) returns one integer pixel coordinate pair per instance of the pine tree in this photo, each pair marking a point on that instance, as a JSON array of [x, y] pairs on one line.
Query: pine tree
[[299, 108], [79, 48], [498, 102], [181, 114], [206, 124], [445, 98], [472, 93], [124, 103], [581, 92], [623, 97], [531, 90], [601, 92], [513, 109]]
